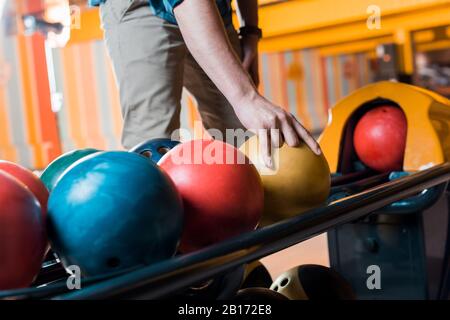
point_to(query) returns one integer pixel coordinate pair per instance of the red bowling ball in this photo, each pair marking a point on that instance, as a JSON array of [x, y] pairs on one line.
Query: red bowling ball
[[380, 138], [22, 236], [222, 197], [30, 180]]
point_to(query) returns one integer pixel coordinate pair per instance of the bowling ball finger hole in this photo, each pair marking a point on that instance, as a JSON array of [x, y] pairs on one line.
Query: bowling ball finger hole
[[113, 262], [147, 154], [163, 150], [276, 288], [284, 282]]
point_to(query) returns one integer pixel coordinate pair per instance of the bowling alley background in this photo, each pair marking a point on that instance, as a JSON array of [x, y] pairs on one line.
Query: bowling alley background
[[313, 54], [59, 94]]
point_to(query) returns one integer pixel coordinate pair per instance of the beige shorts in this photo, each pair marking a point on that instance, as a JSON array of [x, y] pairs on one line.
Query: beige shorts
[[152, 65]]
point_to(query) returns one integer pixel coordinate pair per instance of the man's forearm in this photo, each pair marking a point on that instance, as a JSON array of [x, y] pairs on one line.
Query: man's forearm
[[205, 36], [247, 11]]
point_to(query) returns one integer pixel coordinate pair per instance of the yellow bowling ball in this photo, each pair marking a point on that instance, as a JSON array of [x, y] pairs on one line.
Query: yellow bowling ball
[[299, 181], [313, 282]]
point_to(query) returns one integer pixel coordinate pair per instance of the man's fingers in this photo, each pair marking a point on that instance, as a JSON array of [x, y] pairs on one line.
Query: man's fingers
[[289, 133], [276, 136], [306, 136], [265, 148]]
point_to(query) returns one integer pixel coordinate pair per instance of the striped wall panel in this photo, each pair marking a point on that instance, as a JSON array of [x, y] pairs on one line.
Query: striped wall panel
[[28, 132], [89, 116], [307, 84]]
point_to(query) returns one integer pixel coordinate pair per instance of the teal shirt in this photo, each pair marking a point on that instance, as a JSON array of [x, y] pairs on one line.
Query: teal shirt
[[164, 8]]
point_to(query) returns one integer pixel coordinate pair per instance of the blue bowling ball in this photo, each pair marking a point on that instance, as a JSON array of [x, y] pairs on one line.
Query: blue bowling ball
[[114, 211], [155, 148]]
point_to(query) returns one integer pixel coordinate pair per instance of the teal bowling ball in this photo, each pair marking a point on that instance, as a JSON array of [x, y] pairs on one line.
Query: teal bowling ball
[[155, 148], [55, 170], [114, 211]]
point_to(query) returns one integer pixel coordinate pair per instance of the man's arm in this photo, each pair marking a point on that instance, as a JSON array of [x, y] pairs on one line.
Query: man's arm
[[204, 34]]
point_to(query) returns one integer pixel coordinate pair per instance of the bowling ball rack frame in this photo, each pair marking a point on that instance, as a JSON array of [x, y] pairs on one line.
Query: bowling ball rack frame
[[160, 280]]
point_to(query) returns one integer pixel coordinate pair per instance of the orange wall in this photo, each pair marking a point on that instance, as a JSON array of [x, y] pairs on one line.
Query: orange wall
[[29, 126]]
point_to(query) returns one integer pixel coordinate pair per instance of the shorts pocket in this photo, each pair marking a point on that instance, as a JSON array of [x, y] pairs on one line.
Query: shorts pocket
[[113, 11], [125, 8]]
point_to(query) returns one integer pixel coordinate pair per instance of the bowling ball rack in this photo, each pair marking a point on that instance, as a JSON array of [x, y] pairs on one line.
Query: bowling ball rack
[[342, 185], [340, 179], [158, 281]]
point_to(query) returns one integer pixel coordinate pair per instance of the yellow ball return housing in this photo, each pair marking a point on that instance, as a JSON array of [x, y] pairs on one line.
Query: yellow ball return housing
[[407, 242], [428, 117]]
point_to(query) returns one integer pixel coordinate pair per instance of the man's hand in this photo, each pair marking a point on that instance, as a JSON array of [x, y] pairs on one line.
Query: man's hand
[[249, 45], [273, 125]]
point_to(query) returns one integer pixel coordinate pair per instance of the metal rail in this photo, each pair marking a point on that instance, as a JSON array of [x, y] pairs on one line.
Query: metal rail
[[170, 276], [351, 177], [52, 278]]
